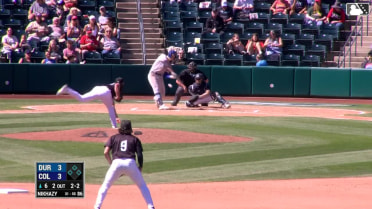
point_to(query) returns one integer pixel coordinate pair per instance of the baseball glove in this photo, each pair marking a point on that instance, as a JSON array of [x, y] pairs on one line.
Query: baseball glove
[[119, 98]]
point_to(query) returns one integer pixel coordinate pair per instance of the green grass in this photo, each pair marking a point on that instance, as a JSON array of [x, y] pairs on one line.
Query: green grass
[[282, 147]]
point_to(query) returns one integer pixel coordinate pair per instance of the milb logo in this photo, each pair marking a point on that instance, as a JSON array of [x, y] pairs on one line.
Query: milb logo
[[354, 9]]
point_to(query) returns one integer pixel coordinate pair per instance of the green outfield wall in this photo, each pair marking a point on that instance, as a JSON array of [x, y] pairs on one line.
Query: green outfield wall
[[228, 80]]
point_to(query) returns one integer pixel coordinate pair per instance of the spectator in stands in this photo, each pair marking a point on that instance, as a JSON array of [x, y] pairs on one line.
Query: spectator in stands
[[71, 50], [23, 44], [316, 13], [110, 43], [336, 15], [70, 3], [298, 7], [37, 31], [74, 31], [38, 7], [48, 59], [254, 45], [225, 12], [214, 23], [88, 43], [242, 8], [367, 64], [73, 12], [115, 30], [103, 17], [10, 44], [54, 51], [273, 46], [56, 30], [26, 58], [234, 45], [92, 25], [261, 61], [280, 6]]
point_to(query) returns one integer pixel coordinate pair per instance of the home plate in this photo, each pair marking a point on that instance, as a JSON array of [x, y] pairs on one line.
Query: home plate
[[11, 191]]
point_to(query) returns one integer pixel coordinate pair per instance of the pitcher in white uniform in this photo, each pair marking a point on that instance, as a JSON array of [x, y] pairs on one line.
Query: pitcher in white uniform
[[108, 94], [124, 148]]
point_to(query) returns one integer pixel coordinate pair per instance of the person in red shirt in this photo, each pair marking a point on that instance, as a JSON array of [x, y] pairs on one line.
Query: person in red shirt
[[336, 15], [88, 42]]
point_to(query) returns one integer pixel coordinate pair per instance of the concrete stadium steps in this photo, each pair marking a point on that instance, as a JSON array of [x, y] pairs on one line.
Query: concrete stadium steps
[[127, 16]]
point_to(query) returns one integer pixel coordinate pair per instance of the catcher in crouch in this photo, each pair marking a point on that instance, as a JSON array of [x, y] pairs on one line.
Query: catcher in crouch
[[201, 94], [108, 94]]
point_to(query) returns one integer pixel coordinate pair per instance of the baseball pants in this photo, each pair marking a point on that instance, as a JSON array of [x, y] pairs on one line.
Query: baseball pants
[[157, 84], [98, 93], [177, 97], [203, 100], [129, 168]]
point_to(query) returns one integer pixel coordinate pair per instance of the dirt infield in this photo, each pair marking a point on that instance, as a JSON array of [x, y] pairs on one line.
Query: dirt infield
[[340, 193]]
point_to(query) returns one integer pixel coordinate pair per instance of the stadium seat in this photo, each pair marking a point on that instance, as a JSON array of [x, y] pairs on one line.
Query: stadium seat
[[204, 15], [319, 50], [312, 28], [233, 59], [173, 37], [296, 49], [16, 55], [310, 60], [87, 4], [210, 37], [189, 6], [262, 7], [194, 27], [213, 48], [189, 16], [293, 28], [18, 33], [245, 37], [235, 27], [331, 29], [296, 18], [325, 39], [305, 39], [109, 5], [169, 16], [226, 36], [288, 39], [111, 58], [93, 57], [290, 60], [173, 26], [20, 14], [249, 60], [37, 56], [255, 27], [279, 18], [274, 26], [196, 57], [263, 18], [189, 37], [13, 23], [5, 14], [199, 48], [169, 6], [214, 59]]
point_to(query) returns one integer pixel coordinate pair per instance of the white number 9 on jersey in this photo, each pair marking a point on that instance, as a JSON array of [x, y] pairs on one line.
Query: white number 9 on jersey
[[123, 146]]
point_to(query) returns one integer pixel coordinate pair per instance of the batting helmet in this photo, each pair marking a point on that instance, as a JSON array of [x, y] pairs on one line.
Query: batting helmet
[[199, 76]]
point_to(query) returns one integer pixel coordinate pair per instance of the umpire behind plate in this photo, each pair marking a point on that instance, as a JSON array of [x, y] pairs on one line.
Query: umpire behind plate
[[184, 80], [201, 94]]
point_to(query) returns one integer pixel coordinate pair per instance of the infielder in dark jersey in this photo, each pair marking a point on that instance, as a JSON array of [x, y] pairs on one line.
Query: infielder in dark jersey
[[108, 94], [184, 80], [201, 93], [124, 147]]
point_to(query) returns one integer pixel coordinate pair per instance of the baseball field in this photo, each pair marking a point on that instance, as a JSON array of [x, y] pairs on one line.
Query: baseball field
[[263, 153]]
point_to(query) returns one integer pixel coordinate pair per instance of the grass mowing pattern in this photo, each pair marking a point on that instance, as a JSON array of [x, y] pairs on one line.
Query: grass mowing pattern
[[282, 148]]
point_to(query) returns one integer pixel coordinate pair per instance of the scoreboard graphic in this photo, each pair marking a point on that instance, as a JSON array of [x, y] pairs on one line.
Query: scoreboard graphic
[[59, 180], [355, 9]]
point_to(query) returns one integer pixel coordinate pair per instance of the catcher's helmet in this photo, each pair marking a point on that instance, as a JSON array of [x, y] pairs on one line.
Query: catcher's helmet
[[199, 76]]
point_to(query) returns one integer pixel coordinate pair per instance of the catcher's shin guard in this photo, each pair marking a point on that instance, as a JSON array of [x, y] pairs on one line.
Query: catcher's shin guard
[[218, 98]]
